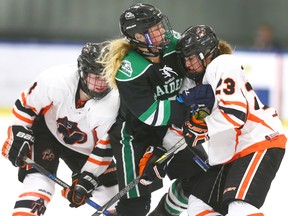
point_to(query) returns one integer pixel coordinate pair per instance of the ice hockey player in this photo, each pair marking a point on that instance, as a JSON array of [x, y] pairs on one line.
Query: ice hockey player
[[241, 133], [65, 114]]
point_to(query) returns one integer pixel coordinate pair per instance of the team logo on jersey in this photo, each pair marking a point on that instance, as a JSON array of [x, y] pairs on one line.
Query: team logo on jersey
[[167, 72], [70, 131], [168, 88], [48, 155], [272, 136], [172, 84], [229, 189], [126, 68], [177, 35], [38, 207]]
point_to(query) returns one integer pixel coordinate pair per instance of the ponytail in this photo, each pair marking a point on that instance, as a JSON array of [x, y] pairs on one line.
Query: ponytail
[[111, 61]]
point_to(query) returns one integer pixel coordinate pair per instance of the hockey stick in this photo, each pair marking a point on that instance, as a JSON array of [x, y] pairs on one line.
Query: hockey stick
[[199, 161], [133, 183], [51, 176], [200, 113], [115, 198]]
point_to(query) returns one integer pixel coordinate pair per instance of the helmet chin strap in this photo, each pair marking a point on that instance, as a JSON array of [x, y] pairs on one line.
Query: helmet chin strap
[[83, 95], [143, 45], [148, 52]]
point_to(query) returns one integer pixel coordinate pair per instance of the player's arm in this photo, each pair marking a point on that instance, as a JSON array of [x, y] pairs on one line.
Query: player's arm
[[100, 157], [232, 108], [85, 182], [33, 101], [142, 102], [20, 135]]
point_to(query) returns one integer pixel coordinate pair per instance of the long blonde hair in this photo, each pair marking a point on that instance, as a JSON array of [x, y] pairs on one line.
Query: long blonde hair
[[118, 48], [112, 59]]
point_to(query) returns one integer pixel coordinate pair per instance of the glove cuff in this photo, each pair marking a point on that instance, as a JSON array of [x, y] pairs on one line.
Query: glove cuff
[[89, 178]]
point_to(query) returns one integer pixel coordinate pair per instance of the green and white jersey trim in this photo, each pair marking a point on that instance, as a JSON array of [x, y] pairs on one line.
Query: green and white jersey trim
[[128, 159], [132, 66], [160, 109]]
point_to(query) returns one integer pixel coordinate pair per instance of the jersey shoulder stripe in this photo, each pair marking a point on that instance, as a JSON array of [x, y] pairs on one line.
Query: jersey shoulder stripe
[[132, 66]]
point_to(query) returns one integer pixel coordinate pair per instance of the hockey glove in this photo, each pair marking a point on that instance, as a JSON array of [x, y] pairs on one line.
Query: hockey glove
[[109, 177], [200, 94], [82, 187], [148, 169], [195, 131], [18, 144]]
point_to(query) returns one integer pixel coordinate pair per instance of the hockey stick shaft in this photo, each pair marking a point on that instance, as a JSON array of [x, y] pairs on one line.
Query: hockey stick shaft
[[51, 176], [115, 198], [180, 143], [199, 161], [132, 184], [171, 151]]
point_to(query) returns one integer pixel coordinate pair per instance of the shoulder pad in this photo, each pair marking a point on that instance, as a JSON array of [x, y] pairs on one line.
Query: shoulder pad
[[132, 66]]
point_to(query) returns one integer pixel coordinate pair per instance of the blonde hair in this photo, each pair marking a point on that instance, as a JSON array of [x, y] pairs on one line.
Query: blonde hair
[[111, 60], [224, 48]]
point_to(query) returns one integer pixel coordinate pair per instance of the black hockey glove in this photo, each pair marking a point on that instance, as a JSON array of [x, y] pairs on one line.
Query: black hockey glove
[[82, 187], [201, 94], [148, 169], [195, 131], [18, 144], [109, 177]]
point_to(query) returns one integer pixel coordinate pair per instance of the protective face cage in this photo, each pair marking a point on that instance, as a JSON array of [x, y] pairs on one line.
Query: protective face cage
[[93, 84], [92, 80], [196, 42], [149, 21], [161, 30]]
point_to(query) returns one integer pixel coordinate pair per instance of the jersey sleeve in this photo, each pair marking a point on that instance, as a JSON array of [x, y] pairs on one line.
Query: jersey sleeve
[[101, 155], [231, 110], [33, 101], [239, 123]]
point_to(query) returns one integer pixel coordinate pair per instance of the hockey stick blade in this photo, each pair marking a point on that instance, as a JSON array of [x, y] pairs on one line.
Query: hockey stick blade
[[51, 176]]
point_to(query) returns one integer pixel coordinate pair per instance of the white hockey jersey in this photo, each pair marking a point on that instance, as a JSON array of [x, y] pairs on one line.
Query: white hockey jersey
[[83, 130], [239, 123]]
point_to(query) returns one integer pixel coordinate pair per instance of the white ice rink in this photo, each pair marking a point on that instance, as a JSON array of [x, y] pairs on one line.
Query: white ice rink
[[275, 205]]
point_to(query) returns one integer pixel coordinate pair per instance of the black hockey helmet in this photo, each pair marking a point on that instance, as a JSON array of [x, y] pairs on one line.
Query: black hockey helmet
[[197, 40], [139, 18], [88, 67]]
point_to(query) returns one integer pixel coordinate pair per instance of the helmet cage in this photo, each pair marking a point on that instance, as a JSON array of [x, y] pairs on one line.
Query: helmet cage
[[200, 41], [92, 80]]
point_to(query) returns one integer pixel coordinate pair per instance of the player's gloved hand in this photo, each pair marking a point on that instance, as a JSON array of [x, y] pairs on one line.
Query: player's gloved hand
[[148, 169], [82, 187], [200, 94], [195, 131], [18, 144]]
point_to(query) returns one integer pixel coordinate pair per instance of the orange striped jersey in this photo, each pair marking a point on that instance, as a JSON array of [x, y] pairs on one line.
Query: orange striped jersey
[[239, 123], [82, 129]]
